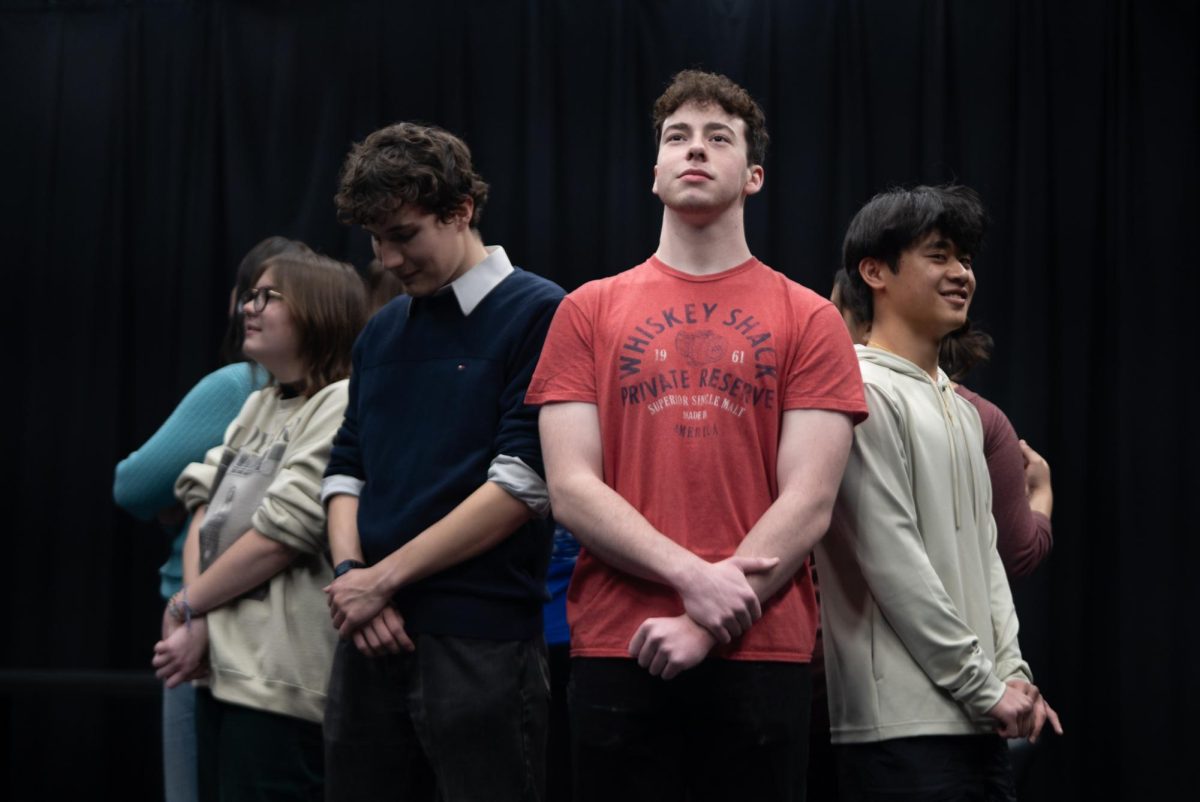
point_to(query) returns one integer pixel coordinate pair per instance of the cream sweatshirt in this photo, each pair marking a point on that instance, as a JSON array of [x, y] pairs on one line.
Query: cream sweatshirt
[[271, 649], [919, 626]]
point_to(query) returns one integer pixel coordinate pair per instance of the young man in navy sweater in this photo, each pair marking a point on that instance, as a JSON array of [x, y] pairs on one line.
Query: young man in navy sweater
[[436, 500]]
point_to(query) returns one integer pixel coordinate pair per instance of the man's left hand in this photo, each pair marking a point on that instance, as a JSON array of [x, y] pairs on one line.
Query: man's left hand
[[667, 646], [354, 599]]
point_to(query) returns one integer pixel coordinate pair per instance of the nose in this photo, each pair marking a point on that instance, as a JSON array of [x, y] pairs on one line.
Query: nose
[[389, 256], [248, 307], [696, 149]]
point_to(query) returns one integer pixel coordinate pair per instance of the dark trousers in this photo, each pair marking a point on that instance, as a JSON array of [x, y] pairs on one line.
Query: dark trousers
[[558, 746], [251, 755], [933, 768], [457, 719], [723, 730]]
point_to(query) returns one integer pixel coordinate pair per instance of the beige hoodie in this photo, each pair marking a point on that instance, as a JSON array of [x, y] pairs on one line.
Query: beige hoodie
[[919, 626], [271, 649]]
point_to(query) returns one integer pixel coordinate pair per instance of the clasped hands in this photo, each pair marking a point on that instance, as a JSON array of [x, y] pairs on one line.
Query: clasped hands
[[719, 605], [361, 612], [182, 653], [1022, 712]]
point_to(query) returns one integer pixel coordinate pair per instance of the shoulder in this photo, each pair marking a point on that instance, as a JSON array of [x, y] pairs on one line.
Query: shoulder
[[992, 420], [237, 379], [806, 308], [531, 286], [987, 410], [623, 286], [335, 393]]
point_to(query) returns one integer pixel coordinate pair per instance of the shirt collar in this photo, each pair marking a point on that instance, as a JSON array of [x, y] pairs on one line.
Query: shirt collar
[[473, 286]]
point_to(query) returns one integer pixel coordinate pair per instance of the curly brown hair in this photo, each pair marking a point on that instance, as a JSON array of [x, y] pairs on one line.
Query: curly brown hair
[[706, 89], [328, 305], [408, 163]]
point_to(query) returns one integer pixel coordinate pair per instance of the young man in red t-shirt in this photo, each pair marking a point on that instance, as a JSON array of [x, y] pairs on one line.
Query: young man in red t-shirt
[[697, 413]]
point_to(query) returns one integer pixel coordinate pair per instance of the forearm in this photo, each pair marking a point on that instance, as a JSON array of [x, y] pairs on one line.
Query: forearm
[[789, 530], [814, 446], [1041, 500], [479, 523], [609, 527], [342, 512], [191, 546], [249, 561]]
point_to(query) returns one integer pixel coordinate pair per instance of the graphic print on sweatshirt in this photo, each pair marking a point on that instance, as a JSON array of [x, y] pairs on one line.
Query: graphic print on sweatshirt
[[241, 482], [700, 366]]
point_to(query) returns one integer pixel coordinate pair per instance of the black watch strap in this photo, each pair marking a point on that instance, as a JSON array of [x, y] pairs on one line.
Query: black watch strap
[[347, 565]]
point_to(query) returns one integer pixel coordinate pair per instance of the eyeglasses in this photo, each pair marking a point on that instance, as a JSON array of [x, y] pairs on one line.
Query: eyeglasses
[[259, 298]]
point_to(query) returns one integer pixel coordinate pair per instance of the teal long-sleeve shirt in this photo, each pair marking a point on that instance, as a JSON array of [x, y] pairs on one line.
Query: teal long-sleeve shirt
[[145, 480]]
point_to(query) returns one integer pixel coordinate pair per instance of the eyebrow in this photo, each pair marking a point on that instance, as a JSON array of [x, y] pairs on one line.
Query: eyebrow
[[708, 127], [399, 228]]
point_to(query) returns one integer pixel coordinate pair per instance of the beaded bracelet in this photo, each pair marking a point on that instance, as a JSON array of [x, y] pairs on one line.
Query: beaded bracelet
[[179, 609]]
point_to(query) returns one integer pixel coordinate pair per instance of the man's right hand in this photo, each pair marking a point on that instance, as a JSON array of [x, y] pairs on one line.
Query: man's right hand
[[718, 597], [1013, 708], [383, 634], [1039, 713]]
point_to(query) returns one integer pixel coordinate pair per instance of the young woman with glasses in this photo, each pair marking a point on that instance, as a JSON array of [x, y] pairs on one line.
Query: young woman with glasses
[[255, 560], [144, 486]]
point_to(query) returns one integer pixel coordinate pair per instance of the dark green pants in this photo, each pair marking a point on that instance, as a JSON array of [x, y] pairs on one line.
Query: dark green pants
[[247, 755]]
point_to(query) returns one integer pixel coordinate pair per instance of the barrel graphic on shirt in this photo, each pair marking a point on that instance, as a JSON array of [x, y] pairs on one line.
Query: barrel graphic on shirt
[[700, 366]]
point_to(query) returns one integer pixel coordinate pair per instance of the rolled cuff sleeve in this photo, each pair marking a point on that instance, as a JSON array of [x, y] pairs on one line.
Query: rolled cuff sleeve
[[519, 480], [342, 485]]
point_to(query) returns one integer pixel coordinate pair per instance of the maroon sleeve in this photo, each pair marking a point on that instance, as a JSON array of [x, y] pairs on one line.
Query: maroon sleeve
[[1023, 537]]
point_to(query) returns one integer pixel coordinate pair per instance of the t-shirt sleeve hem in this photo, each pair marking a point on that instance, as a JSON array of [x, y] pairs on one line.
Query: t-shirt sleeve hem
[[857, 411], [557, 396]]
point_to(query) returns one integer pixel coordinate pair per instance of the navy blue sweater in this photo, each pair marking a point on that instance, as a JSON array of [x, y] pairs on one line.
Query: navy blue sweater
[[435, 396]]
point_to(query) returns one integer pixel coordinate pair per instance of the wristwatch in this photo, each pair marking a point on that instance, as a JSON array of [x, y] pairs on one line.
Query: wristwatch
[[347, 565]]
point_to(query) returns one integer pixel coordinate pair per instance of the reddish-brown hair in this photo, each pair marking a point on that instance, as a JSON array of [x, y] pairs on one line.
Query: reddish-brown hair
[[328, 307], [709, 89]]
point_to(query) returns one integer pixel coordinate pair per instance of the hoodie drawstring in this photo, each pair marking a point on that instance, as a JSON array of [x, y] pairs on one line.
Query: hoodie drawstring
[[948, 419]]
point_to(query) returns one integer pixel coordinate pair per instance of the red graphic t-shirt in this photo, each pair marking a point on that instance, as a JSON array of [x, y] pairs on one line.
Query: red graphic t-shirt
[[690, 376]]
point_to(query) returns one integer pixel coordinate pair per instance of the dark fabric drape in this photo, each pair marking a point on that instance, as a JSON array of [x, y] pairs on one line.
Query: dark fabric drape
[[147, 145]]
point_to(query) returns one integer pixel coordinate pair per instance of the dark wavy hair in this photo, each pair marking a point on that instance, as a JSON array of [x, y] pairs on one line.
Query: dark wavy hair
[[248, 272], [963, 349], [407, 163], [705, 89], [328, 306], [895, 220]]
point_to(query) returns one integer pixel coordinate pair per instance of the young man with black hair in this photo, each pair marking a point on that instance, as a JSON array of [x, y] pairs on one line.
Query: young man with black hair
[[923, 666], [437, 506], [697, 414]]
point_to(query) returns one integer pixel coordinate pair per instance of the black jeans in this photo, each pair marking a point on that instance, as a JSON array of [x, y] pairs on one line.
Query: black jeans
[[248, 755], [458, 719], [932, 768], [723, 730]]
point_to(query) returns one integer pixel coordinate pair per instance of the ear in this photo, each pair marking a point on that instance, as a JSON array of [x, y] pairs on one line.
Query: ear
[[463, 214], [754, 182], [872, 271], [654, 183]]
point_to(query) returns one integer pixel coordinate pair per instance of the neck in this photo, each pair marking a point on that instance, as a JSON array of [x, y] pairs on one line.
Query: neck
[[703, 243], [902, 341], [474, 253], [285, 372]]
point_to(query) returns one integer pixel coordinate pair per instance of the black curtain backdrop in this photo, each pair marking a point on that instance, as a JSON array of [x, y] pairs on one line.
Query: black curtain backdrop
[[145, 146]]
